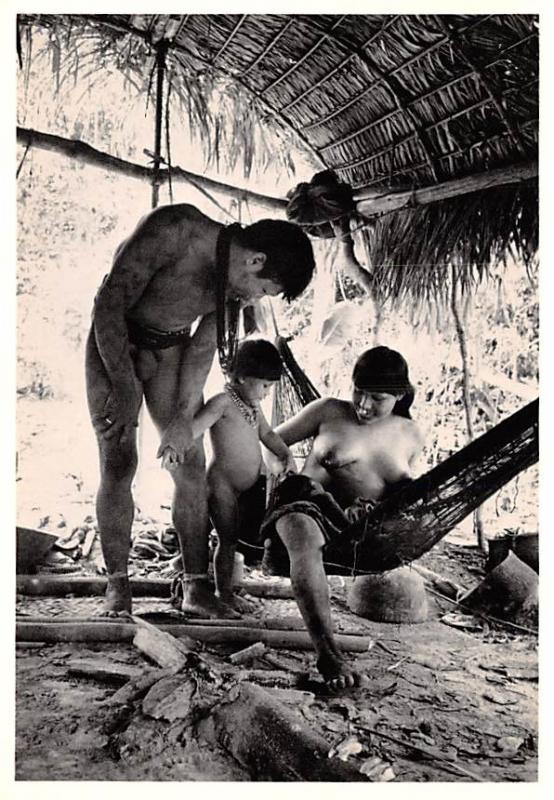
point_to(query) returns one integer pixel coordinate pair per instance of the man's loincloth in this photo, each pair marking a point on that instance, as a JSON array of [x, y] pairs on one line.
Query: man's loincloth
[[148, 338], [301, 495]]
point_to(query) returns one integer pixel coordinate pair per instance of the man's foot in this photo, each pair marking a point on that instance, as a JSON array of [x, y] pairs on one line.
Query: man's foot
[[118, 597], [239, 603], [200, 600], [338, 675]]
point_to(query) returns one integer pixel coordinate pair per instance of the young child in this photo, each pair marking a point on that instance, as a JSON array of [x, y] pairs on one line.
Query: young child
[[237, 425]]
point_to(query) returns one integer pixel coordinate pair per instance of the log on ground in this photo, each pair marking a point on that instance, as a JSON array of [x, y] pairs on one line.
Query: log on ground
[[271, 741]]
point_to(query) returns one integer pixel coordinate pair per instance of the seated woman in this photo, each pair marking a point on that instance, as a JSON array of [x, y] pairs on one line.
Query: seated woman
[[361, 449]]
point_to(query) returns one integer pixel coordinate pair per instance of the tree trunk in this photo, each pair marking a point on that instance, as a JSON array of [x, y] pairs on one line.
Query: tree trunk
[[466, 392]]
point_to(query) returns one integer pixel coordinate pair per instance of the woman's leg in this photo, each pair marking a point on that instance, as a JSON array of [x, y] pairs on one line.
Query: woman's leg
[[304, 542]]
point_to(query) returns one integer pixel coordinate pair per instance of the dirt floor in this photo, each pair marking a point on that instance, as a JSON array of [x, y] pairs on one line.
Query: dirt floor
[[443, 703]]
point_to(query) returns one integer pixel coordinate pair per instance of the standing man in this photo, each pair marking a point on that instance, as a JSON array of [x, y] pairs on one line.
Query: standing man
[[177, 268]]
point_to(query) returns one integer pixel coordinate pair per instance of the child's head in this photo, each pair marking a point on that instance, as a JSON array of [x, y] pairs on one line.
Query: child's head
[[257, 366]]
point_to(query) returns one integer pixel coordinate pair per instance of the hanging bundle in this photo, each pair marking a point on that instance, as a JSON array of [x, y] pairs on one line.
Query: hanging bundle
[[313, 205]]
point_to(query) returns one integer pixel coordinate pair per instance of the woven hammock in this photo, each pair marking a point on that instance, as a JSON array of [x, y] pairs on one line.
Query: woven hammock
[[411, 521]]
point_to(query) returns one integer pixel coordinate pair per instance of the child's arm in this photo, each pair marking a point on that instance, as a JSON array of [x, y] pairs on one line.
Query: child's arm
[[275, 444], [210, 413]]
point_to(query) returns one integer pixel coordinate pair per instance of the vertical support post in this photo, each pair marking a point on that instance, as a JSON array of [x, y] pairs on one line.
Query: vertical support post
[[161, 51]]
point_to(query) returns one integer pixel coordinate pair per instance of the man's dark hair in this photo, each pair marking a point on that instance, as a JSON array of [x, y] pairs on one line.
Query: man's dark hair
[[257, 358], [290, 257]]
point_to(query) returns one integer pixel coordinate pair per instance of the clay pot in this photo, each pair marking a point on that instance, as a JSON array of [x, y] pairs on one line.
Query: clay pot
[[524, 545], [395, 596]]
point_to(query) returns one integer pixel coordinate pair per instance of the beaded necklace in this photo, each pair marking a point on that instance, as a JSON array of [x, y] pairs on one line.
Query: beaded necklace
[[247, 412]]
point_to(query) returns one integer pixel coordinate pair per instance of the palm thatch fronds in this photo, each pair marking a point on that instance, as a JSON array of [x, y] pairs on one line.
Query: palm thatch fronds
[[416, 252], [389, 102]]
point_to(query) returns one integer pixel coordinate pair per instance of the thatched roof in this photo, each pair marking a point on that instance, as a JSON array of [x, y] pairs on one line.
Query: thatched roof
[[390, 102]]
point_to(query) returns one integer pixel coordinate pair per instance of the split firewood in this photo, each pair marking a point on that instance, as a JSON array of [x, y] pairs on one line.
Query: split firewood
[[267, 676], [87, 544], [170, 698], [137, 687], [441, 584], [296, 697], [103, 670], [163, 648], [254, 650]]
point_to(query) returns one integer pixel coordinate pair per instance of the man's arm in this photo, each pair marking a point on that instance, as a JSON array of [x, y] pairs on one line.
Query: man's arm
[[196, 364]]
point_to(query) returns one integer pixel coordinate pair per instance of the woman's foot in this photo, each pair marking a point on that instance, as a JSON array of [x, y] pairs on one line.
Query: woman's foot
[[338, 674]]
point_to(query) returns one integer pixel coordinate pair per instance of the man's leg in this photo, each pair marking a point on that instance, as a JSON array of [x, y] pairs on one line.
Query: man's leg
[[190, 518], [114, 501], [304, 542], [190, 502]]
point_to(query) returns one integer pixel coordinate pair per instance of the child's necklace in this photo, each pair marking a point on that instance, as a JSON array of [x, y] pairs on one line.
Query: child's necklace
[[249, 413]]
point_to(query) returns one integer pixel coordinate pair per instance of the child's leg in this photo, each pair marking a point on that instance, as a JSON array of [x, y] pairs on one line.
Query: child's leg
[[224, 514]]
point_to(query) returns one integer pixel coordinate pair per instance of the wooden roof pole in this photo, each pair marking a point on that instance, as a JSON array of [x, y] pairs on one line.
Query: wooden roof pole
[[83, 152], [371, 202], [161, 50]]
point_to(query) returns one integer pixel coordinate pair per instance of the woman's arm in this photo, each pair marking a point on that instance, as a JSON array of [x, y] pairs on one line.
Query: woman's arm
[[304, 424], [275, 444]]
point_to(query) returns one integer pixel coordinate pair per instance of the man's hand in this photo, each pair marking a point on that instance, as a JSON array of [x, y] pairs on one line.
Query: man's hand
[[120, 415], [176, 440]]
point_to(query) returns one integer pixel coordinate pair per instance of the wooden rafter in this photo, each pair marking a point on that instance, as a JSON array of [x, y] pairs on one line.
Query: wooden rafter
[[338, 67], [419, 98], [269, 46], [292, 69], [460, 47], [409, 168], [401, 100], [229, 39]]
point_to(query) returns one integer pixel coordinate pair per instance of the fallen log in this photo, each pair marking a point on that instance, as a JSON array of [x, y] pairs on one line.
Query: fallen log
[[59, 586], [271, 741], [104, 631]]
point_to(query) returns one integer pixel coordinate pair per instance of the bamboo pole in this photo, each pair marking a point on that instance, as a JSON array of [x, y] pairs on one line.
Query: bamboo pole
[[83, 152], [370, 202], [61, 585], [269, 623], [107, 631]]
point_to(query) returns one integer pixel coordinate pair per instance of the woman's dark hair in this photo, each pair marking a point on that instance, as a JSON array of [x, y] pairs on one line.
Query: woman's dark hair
[[257, 358], [289, 253], [381, 369]]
